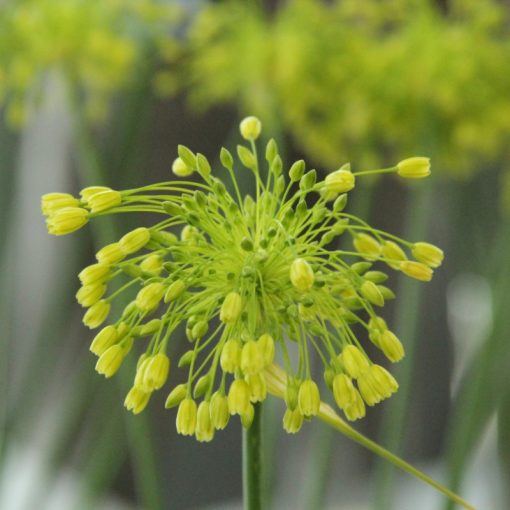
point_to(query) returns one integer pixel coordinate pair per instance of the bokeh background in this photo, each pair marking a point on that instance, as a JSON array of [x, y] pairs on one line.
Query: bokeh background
[[102, 91]]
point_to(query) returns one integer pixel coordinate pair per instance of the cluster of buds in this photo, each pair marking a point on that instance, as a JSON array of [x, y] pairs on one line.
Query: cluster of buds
[[252, 279]]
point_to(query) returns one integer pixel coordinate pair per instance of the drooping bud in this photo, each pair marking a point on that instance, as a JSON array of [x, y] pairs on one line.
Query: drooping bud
[[90, 294], [104, 200], [370, 291], [204, 430], [176, 396], [156, 373], [252, 359], [416, 270], [136, 400], [103, 340], [95, 273], [110, 254], [340, 181], [301, 274], [96, 314], [355, 362], [90, 191], [391, 346], [186, 417], [376, 384], [52, 202], [174, 291], [153, 264], [258, 389], [247, 417], [367, 246], [427, 253], [110, 361], [231, 308], [149, 297], [219, 410], [267, 348], [292, 421], [135, 240], [239, 397], [230, 358], [67, 220], [309, 398]]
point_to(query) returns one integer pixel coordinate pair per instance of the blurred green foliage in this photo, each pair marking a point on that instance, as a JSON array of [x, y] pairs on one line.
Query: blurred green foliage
[[354, 80], [100, 44]]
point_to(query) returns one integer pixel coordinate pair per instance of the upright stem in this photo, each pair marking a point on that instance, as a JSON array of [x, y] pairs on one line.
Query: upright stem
[[252, 462]]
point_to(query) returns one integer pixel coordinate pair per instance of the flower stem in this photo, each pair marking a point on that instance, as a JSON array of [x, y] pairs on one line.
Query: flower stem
[[252, 462]]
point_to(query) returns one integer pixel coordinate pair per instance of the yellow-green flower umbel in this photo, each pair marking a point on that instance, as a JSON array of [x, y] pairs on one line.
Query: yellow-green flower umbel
[[252, 278]]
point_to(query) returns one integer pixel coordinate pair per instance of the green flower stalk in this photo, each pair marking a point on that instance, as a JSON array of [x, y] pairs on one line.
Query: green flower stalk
[[253, 279]]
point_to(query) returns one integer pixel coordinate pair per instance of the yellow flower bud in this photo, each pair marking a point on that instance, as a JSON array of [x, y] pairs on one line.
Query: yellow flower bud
[[252, 360], [110, 361], [180, 168], [136, 400], [189, 233], [340, 181], [90, 191], [67, 220], [414, 168], [149, 297], [96, 314], [135, 240], [93, 274], [104, 200], [153, 264], [231, 308], [355, 362], [428, 254], [156, 373], [309, 398], [370, 291], [391, 346], [250, 128], [90, 294], [367, 246], [103, 340], [376, 384], [204, 430], [416, 270], [176, 396], [292, 421], [174, 291], [343, 390], [356, 410], [110, 254], [258, 389], [52, 202], [394, 253], [239, 397], [230, 359], [247, 417], [186, 417], [267, 348], [219, 411], [301, 275]]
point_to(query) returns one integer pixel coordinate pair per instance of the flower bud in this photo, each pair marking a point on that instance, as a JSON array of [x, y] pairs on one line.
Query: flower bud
[[103, 340], [414, 168], [239, 397], [376, 384], [109, 362], [148, 328], [291, 393], [309, 398], [90, 191], [230, 359], [204, 430], [301, 275], [394, 253], [356, 410], [136, 400], [219, 410], [367, 246], [416, 270], [67, 220], [156, 373], [267, 348], [391, 346], [258, 389], [176, 396], [370, 291], [95, 273], [52, 202], [202, 386], [246, 157], [153, 264], [96, 314], [110, 254], [355, 362], [148, 297], [104, 200], [231, 308], [427, 253], [90, 294], [347, 397], [180, 168], [292, 421], [250, 128], [340, 181], [247, 417], [186, 417], [134, 240], [174, 291], [297, 170], [252, 360]]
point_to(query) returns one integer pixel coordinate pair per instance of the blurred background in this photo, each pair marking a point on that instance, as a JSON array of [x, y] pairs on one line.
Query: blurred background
[[102, 91]]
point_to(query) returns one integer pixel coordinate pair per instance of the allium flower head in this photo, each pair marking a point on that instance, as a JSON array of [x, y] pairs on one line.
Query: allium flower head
[[253, 279]]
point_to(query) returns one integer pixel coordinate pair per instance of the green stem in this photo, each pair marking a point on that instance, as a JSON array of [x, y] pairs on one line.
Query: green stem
[[252, 462], [406, 326]]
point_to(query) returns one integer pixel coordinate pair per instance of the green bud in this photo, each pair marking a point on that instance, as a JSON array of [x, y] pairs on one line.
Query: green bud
[[271, 150], [176, 396], [246, 157], [185, 359], [172, 209], [279, 185], [247, 244], [187, 156], [201, 386], [340, 203], [204, 168], [247, 417], [376, 276], [164, 238], [276, 166], [200, 198], [291, 393], [199, 329], [361, 267], [297, 170], [386, 292], [308, 180], [226, 159]]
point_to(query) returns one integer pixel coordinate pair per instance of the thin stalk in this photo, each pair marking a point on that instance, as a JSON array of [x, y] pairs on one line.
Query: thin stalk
[[252, 462], [406, 326]]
